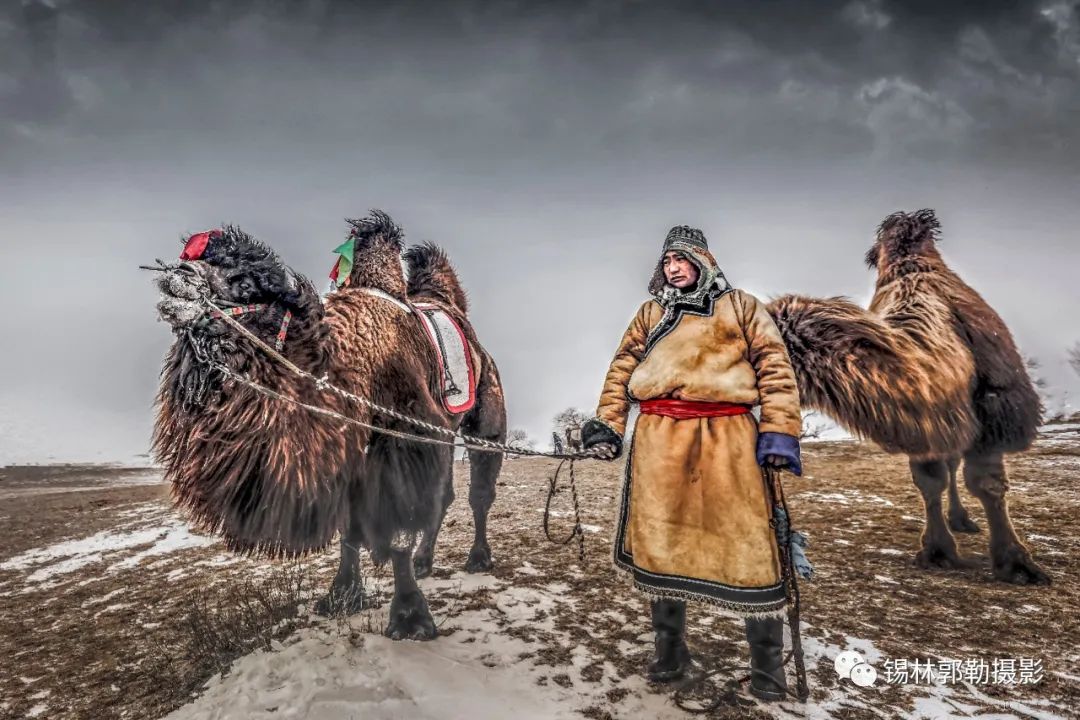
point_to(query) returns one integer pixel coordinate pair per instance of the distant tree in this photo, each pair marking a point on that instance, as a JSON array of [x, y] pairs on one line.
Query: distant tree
[[569, 419], [1034, 371], [812, 426], [519, 439], [1074, 357]]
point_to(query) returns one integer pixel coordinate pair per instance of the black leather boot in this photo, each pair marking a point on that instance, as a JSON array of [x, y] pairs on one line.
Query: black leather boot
[[766, 638], [672, 658]]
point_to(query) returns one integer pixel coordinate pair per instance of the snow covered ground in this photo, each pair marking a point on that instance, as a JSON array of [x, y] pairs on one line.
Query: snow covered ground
[[482, 670], [91, 582]]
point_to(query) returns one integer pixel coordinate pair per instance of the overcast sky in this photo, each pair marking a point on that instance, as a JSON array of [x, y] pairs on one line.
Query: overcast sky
[[547, 146]]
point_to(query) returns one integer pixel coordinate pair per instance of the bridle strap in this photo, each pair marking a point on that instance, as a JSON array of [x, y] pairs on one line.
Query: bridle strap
[[238, 310]]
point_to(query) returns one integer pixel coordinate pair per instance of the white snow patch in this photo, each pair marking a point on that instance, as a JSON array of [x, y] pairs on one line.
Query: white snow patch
[[527, 569], [66, 557], [321, 675], [104, 598]]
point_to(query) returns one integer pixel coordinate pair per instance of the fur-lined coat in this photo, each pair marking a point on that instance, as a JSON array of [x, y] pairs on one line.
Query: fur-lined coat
[[694, 522]]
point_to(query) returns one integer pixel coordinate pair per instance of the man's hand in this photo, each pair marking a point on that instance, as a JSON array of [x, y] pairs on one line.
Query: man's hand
[[603, 451], [776, 461]]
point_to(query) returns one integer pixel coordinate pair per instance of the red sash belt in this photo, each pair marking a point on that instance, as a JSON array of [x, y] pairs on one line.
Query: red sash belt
[[687, 409]]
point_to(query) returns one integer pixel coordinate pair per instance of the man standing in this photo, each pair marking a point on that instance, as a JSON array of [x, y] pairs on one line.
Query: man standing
[[694, 523]]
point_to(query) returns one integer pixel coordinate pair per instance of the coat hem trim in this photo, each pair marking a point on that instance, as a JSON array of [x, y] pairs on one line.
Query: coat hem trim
[[773, 600]]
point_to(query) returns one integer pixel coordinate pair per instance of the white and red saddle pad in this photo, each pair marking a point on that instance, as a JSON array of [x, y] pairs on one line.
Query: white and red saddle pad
[[455, 356]]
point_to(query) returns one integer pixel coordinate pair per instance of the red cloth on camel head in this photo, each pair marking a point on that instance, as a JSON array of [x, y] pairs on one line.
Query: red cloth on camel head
[[196, 244]]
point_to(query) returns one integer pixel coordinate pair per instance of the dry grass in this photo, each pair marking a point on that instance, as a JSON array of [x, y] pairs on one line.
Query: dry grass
[[215, 630], [134, 642]]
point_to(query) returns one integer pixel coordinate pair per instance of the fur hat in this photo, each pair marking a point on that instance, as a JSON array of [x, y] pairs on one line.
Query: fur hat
[[711, 281], [686, 235]]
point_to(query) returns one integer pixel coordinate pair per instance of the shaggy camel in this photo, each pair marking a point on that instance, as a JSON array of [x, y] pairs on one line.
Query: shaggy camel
[[931, 371], [273, 479]]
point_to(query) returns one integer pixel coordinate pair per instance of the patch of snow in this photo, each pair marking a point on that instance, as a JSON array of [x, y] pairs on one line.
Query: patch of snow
[[178, 536], [461, 582], [66, 557], [891, 551], [527, 569], [321, 676], [885, 579], [838, 498], [37, 710], [104, 598]]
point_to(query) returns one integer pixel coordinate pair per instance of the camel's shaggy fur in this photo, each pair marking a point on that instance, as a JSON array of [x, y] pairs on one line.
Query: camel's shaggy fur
[[270, 477], [930, 370]]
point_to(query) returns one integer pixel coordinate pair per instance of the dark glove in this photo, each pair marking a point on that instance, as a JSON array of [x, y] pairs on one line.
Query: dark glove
[[598, 436]]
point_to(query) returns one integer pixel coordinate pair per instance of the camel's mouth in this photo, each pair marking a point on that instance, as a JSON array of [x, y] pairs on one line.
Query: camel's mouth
[[183, 288]]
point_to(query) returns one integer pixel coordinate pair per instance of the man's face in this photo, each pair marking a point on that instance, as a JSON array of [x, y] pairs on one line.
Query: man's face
[[679, 271]]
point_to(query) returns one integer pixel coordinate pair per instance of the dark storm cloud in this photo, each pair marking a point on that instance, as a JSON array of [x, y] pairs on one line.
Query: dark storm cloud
[[547, 145], [981, 79]]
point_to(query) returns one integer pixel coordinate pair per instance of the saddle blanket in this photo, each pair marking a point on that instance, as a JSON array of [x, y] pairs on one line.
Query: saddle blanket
[[455, 357]]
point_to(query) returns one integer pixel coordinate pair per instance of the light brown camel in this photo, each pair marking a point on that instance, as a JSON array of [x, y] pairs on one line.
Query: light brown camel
[[931, 371]]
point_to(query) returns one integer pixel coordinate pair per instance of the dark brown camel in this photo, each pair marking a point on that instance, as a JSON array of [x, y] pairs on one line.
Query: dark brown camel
[[274, 479], [931, 371]]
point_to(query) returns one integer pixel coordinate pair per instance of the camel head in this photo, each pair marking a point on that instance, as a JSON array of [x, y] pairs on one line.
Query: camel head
[[237, 274], [904, 236], [377, 244]]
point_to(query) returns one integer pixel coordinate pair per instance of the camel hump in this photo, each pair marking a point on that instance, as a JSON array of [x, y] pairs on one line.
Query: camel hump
[[432, 276], [875, 380]]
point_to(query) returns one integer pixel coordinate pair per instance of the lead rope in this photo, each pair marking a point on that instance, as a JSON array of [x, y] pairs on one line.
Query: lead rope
[[727, 693], [467, 442], [578, 530]]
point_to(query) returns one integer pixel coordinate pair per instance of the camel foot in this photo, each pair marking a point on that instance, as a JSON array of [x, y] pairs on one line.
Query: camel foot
[[1014, 565], [422, 566], [936, 557], [343, 600], [410, 618], [962, 522], [479, 560]]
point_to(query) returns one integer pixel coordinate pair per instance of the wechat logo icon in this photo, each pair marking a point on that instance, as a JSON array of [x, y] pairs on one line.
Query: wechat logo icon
[[853, 666]]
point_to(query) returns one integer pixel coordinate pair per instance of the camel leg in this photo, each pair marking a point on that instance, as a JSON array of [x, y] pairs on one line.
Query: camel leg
[[488, 421], [938, 544], [986, 479], [484, 470], [410, 618], [346, 594], [959, 520], [425, 554]]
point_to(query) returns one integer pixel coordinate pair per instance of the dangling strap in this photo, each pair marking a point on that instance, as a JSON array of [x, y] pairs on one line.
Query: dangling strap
[[238, 310]]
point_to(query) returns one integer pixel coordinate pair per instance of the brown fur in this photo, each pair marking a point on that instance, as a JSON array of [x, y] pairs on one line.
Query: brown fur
[[273, 479], [929, 370]]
